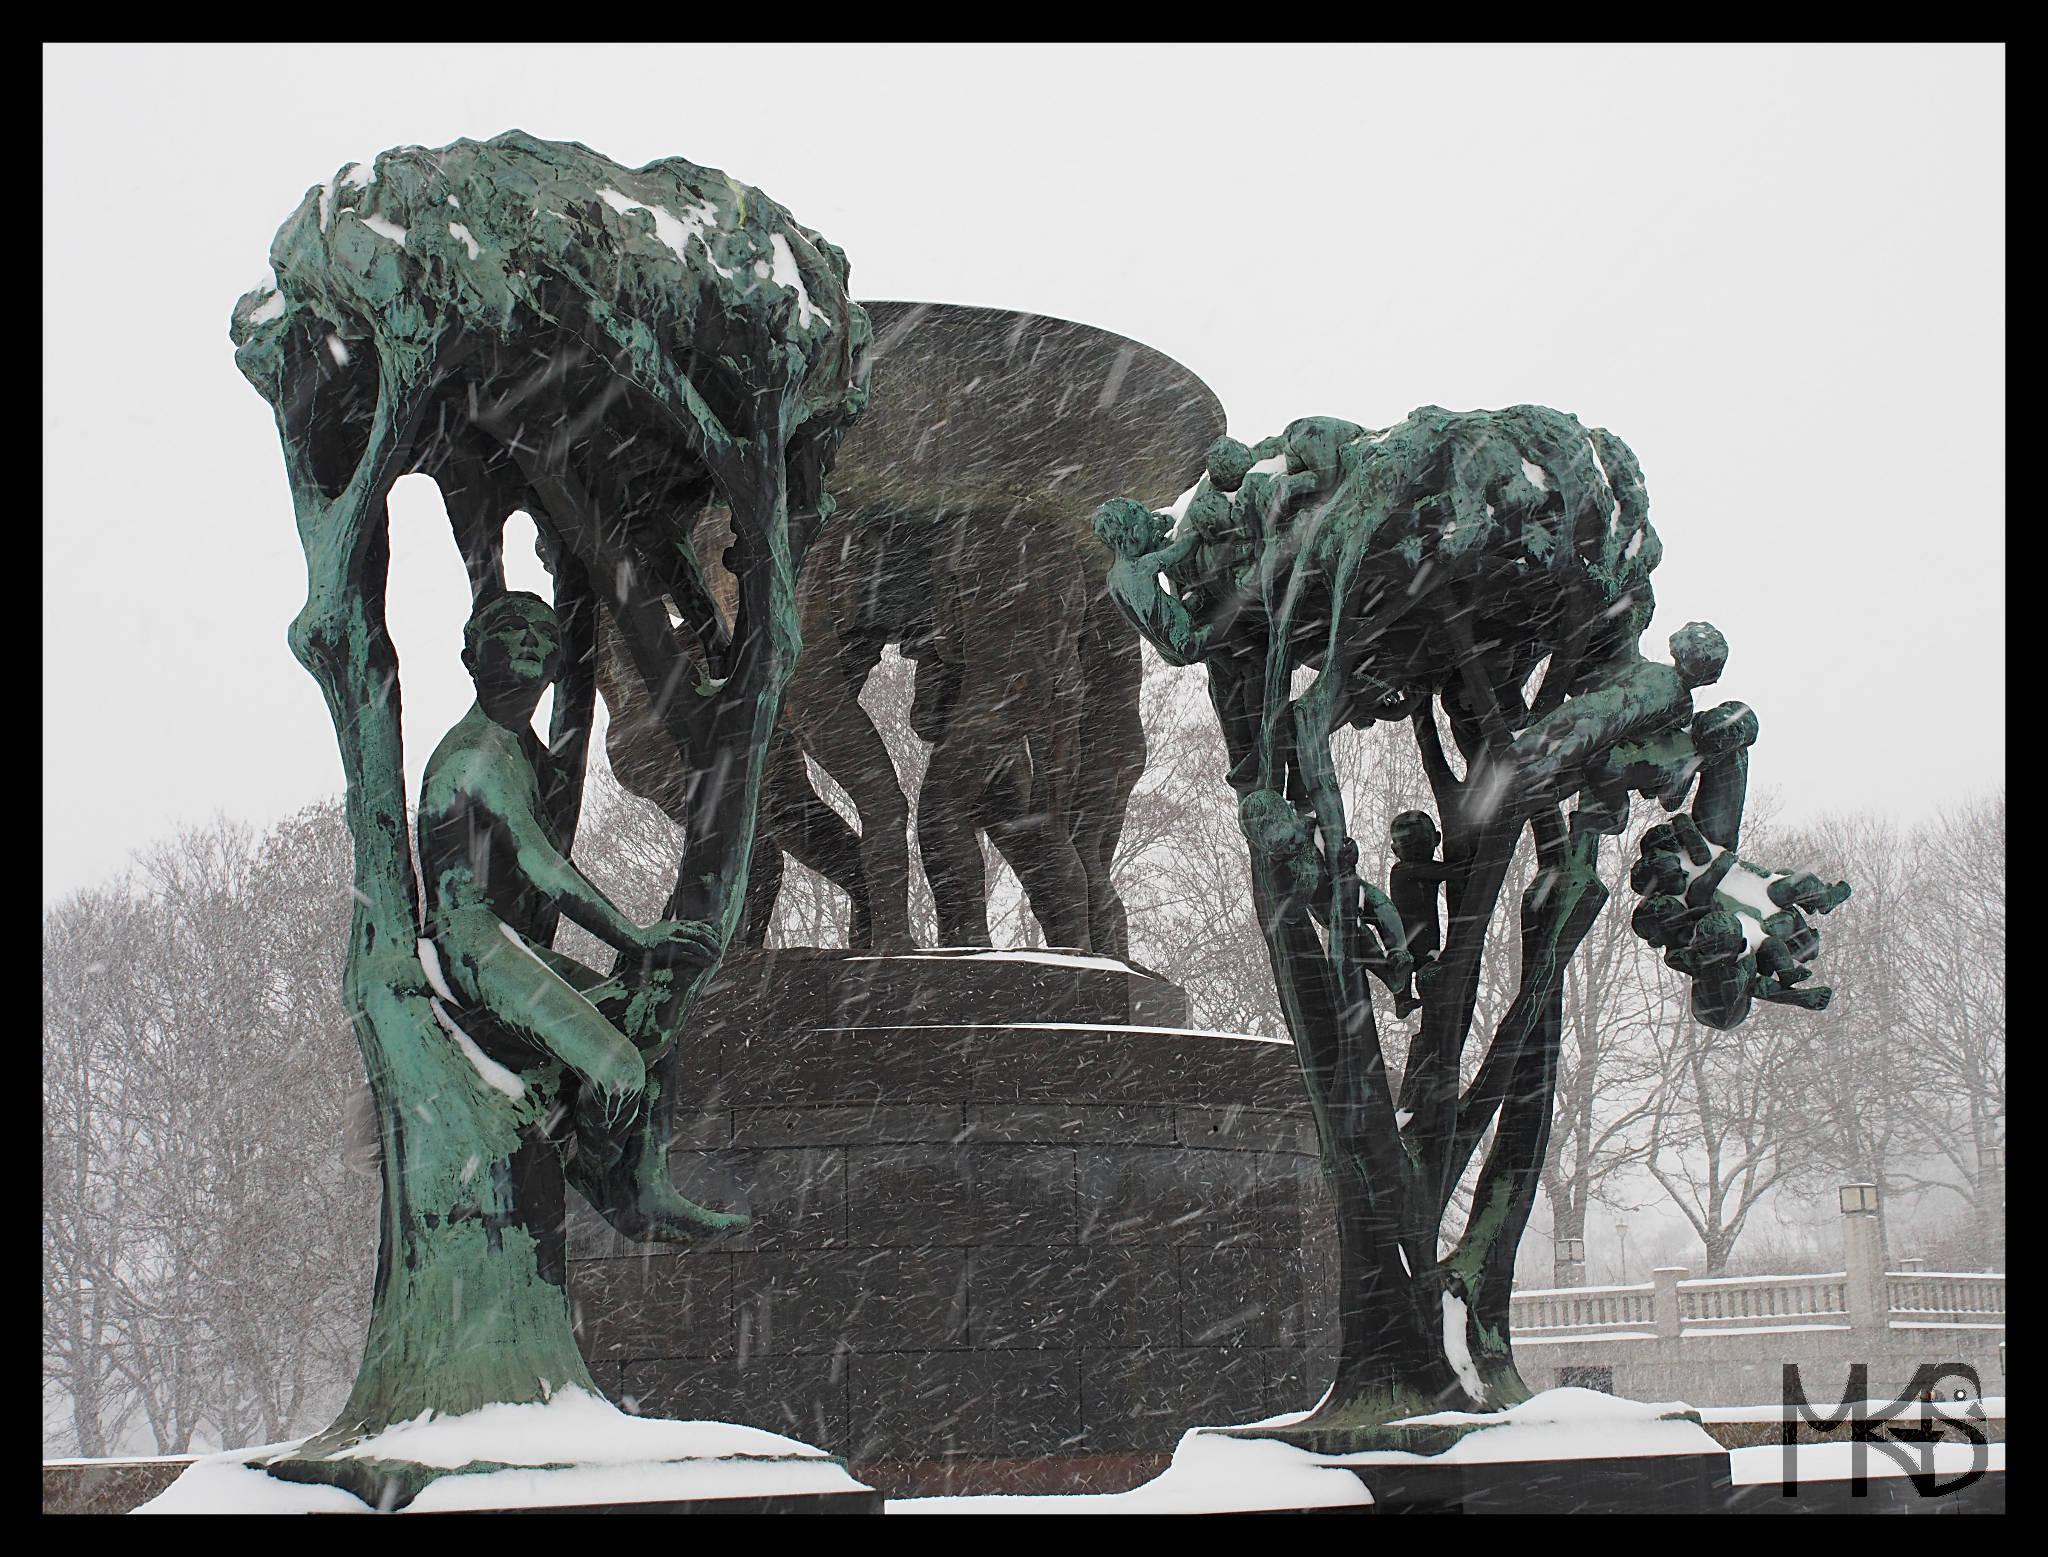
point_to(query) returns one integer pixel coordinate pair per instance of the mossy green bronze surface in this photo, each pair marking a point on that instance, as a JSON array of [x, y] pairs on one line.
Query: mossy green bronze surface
[[1427, 572], [610, 350]]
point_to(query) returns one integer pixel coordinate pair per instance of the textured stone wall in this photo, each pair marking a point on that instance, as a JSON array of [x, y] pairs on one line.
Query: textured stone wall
[[979, 1241]]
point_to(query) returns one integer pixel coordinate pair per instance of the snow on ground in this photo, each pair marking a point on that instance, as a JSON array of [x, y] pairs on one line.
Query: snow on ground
[[1836, 1461], [1214, 1474], [612, 1457], [621, 1459]]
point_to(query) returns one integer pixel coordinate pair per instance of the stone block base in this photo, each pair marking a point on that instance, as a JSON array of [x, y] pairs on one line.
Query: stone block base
[[1002, 1215]]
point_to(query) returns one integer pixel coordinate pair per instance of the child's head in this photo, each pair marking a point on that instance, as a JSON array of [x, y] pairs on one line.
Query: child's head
[[1229, 461], [1128, 528], [510, 616], [1699, 651], [1415, 835]]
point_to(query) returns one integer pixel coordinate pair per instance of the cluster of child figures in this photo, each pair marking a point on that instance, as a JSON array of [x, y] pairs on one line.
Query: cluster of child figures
[[1628, 723]]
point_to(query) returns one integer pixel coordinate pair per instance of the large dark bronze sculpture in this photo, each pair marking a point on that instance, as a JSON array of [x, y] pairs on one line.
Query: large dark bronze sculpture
[[961, 535], [613, 350], [1428, 572]]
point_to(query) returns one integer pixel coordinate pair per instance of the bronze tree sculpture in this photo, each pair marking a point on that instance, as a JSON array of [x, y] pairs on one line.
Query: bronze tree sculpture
[[1428, 572], [612, 349]]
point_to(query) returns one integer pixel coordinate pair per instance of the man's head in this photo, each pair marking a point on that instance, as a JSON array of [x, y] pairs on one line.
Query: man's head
[[512, 647], [1415, 836], [1699, 651], [1128, 528]]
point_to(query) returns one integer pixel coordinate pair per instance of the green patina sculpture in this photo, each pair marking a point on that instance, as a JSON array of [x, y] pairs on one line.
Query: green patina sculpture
[[1427, 571], [611, 350], [497, 876]]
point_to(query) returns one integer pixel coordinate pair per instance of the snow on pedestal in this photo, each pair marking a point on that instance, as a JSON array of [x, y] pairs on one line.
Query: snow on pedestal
[[1210, 1474], [1559, 1424], [575, 1449]]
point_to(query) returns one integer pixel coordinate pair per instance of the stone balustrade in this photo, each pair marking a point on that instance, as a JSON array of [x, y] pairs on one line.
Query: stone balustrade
[[1763, 1299], [1582, 1308], [1936, 1297], [1739, 1302]]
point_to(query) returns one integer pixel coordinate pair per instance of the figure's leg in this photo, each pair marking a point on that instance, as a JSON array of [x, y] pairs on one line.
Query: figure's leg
[[811, 832], [824, 709], [946, 840], [1027, 825], [620, 1164], [1049, 869], [516, 987], [933, 694], [1383, 941], [1112, 759], [819, 839], [764, 885]]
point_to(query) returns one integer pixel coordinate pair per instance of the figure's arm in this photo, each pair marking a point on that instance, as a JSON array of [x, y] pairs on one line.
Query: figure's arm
[[556, 877], [1295, 485], [1174, 553], [571, 891], [1641, 701], [1433, 873], [1163, 620]]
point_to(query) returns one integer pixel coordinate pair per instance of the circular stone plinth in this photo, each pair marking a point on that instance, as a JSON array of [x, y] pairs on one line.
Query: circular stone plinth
[[988, 410], [1053, 1231]]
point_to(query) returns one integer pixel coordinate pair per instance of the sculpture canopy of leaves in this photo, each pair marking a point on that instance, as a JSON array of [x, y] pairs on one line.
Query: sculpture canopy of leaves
[[522, 241]]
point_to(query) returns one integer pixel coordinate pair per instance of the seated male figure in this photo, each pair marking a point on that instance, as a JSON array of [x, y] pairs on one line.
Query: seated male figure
[[496, 875]]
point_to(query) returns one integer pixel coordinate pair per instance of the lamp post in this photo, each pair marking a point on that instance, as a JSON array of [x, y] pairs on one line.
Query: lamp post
[[1621, 1232], [1991, 1202], [1863, 1257]]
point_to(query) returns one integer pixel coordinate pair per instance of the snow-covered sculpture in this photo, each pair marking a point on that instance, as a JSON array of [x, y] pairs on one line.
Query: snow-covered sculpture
[[611, 349], [1438, 565]]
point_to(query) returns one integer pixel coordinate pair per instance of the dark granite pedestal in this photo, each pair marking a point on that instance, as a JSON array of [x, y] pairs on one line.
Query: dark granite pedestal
[[1008, 1212], [802, 1503], [1649, 1484]]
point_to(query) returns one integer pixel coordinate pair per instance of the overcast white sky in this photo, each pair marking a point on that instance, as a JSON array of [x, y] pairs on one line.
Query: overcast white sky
[[1776, 273]]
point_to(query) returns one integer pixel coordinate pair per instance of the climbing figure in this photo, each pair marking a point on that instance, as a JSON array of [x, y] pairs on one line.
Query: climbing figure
[[1413, 884]]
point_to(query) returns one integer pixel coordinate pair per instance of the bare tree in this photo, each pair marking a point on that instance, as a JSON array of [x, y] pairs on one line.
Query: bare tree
[[1181, 866], [1725, 1124], [1952, 1007], [205, 1255], [90, 1017], [1615, 996], [1861, 1110], [1903, 1072]]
